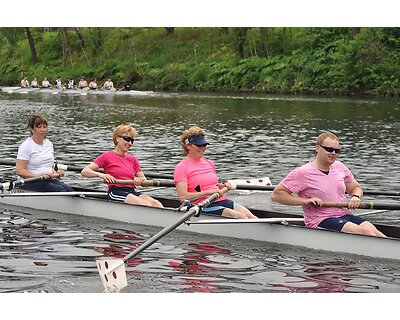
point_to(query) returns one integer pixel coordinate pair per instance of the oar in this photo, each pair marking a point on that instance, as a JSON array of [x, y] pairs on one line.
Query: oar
[[238, 221], [365, 205], [148, 183], [11, 184], [67, 167], [169, 183], [95, 194], [112, 271]]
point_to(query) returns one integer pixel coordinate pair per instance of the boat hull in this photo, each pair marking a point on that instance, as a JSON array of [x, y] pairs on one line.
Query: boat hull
[[82, 92], [290, 234]]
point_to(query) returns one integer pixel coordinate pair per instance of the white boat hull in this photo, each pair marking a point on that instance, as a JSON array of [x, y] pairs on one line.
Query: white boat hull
[[82, 92], [289, 234]]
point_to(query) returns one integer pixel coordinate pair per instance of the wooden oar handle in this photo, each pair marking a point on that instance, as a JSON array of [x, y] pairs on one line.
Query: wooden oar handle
[[334, 204], [147, 183], [364, 205]]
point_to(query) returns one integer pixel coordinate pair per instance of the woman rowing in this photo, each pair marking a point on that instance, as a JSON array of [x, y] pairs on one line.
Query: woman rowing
[[195, 177], [35, 158], [93, 85], [119, 165]]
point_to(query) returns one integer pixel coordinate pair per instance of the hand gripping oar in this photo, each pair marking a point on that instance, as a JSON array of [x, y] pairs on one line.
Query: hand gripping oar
[[112, 271], [364, 205]]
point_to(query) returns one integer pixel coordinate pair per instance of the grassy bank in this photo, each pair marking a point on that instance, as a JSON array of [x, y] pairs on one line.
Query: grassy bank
[[271, 60]]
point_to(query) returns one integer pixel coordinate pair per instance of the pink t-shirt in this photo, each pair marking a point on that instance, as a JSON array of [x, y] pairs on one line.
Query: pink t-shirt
[[200, 175], [308, 182], [121, 167]]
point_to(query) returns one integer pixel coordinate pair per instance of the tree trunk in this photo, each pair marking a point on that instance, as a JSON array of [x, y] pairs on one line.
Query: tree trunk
[[65, 45], [35, 58], [264, 42], [98, 39], [355, 31], [81, 43], [284, 40]]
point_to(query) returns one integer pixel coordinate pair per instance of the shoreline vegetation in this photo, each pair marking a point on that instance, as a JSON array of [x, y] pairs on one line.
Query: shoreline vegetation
[[319, 61]]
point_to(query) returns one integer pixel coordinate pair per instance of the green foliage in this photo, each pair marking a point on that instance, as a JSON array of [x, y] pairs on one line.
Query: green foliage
[[275, 60]]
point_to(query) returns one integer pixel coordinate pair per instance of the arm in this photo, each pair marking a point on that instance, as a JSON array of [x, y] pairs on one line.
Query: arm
[[183, 194], [90, 172], [284, 196], [139, 178], [21, 169], [353, 188]]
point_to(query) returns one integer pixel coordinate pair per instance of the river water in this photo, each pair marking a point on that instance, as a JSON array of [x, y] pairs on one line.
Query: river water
[[251, 136]]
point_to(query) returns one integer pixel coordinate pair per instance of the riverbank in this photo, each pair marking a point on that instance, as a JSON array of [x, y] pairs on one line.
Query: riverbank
[[328, 61]]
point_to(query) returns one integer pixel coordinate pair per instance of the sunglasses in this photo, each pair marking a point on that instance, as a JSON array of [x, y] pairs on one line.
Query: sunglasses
[[127, 139], [330, 149], [200, 145]]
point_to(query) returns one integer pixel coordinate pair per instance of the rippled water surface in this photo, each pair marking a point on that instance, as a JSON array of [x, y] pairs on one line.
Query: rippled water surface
[[250, 136]]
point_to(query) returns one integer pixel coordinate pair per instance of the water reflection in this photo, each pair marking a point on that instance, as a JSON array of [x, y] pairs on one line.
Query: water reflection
[[251, 136]]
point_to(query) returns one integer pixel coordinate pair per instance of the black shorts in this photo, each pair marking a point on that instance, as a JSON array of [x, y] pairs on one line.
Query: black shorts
[[338, 223], [120, 193], [218, 207]]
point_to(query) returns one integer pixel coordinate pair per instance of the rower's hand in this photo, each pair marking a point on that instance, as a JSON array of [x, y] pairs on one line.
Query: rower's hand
[[54, 175], [138, 181], [316, 202], [225, 184], [108, 178], [60, 173], [354, 203]]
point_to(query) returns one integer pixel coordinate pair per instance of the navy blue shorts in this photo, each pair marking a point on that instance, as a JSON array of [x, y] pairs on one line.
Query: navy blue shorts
[[120, 193], [338, 223], [53, 185], [218, 207]]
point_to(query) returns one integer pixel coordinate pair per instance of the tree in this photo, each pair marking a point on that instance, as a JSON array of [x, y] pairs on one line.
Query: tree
[[239, 37], [264, 42], [81, 43], [35, 58], [66, 50]]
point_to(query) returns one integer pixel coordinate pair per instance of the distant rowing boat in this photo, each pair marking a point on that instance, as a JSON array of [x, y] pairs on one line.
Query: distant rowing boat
[[273, 227], [82, 92]]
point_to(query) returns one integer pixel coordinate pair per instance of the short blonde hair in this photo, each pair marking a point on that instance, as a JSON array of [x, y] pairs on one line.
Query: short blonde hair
[[123, 130], [324, 135], [192, 131]]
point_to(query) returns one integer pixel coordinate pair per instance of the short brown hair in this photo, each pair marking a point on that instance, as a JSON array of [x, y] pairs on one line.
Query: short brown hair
[[123, 130], [36, 120], [324, 135]]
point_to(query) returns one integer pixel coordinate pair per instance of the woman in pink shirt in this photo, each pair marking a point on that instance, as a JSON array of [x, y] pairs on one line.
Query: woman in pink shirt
[[119, 165], [195, 177], [325, 180]]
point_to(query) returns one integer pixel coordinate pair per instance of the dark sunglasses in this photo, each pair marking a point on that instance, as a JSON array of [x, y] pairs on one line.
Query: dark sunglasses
[[329, 149], [200, 145], [127, 139]]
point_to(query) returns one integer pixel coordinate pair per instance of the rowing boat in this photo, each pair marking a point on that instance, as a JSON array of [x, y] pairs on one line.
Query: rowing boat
[[81, 92], [275, 227]]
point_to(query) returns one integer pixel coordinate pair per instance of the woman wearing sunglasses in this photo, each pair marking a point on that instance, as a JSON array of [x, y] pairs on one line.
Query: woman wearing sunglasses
[[195, 177], [325, 180], [119, 165]]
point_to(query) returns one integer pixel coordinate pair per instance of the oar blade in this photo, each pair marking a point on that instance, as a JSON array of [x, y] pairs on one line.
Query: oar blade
[[112, 273]]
